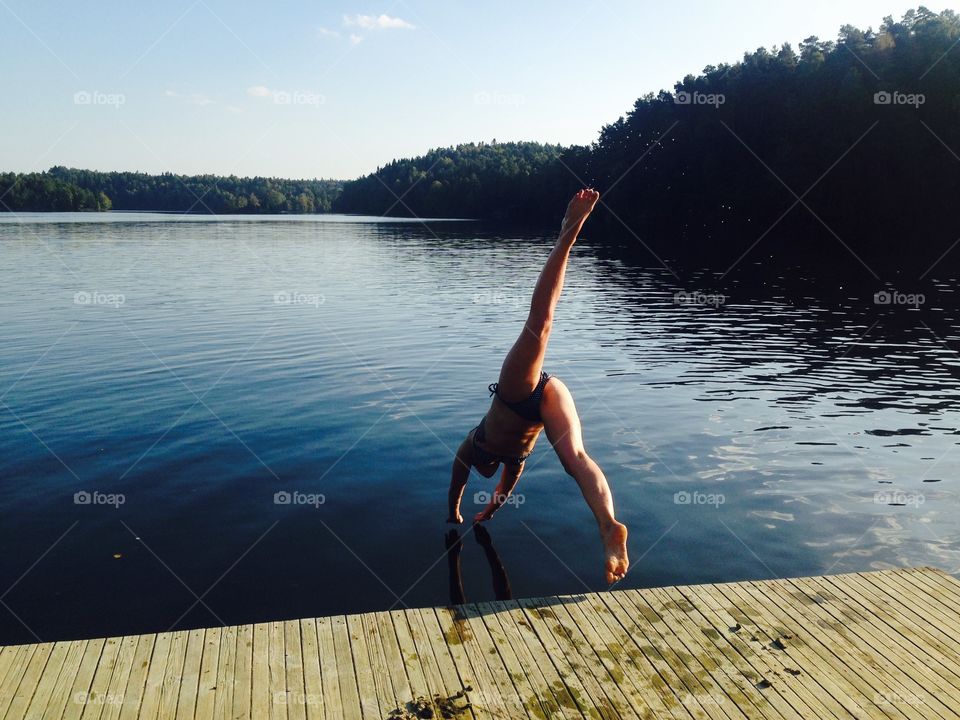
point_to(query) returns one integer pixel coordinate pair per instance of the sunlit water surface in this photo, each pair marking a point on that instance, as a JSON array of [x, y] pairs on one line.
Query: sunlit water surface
[[165, 383]]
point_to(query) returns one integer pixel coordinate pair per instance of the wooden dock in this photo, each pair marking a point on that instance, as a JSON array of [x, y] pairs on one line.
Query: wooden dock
[[865, 645]]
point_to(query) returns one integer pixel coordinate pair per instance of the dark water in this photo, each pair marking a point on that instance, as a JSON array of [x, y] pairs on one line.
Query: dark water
[[810, 430]]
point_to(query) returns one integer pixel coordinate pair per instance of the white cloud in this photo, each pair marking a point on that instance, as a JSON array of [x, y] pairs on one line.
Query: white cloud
[[193, 98], [288, 97], [233, 108], [354, 38], [324, 32], [378, 22]]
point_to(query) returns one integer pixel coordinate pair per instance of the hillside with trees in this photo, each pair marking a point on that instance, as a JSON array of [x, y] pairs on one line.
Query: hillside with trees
[[852, 142], [850, 145], [64, 189], [46, 192], [472, 180]]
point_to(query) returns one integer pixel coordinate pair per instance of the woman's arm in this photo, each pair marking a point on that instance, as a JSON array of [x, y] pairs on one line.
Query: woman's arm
[[508, 481], [458, 481]]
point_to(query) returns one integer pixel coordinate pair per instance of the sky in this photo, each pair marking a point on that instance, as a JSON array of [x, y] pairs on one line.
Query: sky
[[335, 89]]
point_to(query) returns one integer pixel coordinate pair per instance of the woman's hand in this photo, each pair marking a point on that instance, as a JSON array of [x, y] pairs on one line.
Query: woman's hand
[[455, 519], [486, 514]]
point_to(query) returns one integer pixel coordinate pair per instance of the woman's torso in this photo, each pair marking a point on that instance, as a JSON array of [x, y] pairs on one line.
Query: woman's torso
[[506, 433]]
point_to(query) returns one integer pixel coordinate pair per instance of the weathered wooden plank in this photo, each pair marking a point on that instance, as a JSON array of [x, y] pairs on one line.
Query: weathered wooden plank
[[817, 659], [207, 683], [554, 699], [899, 678], [55, 704], [803, 693], [580, 682], [410, 657], [701, 657], [296, 694], [113, 701], [260, 672], [887, 631], [243, 682], [350, 704], [92, 702], [173, 675], [397, 668], [312, 677], [153, 685], [19, 687], [7, 657], [620, 633], [536, 697], [939, 586], [382, 679], [190, 679], [487, 696], [584, 638], [133, 692], [277, 672], [92, 656], [938, 626], [885, 680], [369, 700], [332, 704], [18, 659], [862, 645], [440, 660], [554, 626], [644, 631], [42, 683], [518, 697], [568, 689], [226, 673], [789, 699]]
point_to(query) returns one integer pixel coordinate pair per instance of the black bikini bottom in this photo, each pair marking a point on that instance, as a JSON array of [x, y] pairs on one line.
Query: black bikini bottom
[[529, 407]]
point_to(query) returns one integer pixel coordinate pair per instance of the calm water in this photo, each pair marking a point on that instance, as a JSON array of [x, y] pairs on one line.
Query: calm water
[[182, 374]]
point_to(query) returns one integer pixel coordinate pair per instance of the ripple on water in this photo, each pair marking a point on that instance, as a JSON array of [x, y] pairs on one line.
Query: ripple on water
[[202, 395]]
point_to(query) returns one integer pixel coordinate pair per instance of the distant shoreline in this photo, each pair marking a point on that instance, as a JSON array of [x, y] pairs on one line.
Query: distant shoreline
[[9, 217]]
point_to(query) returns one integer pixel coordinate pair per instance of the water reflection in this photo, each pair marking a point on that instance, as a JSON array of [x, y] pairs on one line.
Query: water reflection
[[498, 573]]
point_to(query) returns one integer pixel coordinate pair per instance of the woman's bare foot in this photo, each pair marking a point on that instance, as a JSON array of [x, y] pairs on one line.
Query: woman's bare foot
[[615, 548], [580, 206]]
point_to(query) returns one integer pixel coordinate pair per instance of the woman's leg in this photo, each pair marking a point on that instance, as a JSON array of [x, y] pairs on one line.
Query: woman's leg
[[562, 425], [520, 372]]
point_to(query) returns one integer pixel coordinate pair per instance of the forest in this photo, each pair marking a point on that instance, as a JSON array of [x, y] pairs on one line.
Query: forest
[[68, 189], [850, 143], [845, 148]]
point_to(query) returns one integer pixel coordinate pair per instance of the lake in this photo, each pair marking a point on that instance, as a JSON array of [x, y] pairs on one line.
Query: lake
[[240, 419]]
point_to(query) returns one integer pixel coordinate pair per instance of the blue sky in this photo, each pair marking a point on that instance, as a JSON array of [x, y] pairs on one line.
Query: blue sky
[[334, 89]]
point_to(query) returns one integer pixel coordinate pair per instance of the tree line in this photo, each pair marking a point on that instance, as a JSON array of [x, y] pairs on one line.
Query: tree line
[[851, 143], [846, 148], [502, 181], [69, 189]]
